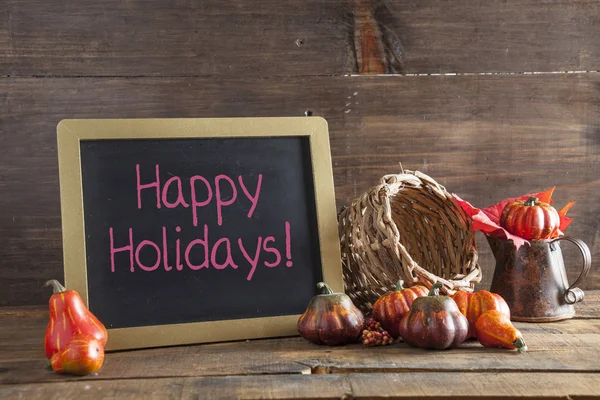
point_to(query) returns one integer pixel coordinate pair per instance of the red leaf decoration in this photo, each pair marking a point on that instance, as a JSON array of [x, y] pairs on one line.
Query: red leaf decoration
[[564, 220], [488, 219]]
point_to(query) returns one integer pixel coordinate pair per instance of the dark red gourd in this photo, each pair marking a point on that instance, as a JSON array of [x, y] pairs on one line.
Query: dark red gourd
[[331, 319], [434, 322], [390, 308]]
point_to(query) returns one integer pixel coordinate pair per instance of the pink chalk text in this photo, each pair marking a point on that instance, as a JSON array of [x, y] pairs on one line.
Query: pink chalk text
[[203, 252]]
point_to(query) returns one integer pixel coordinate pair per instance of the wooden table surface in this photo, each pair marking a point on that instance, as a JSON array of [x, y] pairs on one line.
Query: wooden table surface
[[563, 361]]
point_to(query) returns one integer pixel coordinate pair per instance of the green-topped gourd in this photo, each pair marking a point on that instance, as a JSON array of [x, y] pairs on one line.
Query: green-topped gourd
[[434, 322], [331, 319]]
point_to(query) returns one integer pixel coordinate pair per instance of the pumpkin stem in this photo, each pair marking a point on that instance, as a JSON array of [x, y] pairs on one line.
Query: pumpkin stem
[[530, 202], [324, 288], [520, 345], [435, 289], [399, 285], [56, 286]]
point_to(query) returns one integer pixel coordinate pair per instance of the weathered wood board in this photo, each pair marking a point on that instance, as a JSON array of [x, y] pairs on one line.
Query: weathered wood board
[[414, 385], [548, 352], [483, 137], [289, 38]]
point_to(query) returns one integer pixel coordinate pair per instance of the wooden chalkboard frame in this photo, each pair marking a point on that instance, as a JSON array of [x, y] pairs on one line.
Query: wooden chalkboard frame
[[71, 131]]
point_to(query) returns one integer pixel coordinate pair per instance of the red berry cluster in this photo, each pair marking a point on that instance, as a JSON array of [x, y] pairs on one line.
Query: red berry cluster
[[375, 335]]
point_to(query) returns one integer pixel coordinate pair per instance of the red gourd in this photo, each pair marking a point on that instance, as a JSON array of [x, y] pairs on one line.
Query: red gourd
[[434, 322], [331, 319], [68, 317], [472, 305], [390, 308], [530, 219]]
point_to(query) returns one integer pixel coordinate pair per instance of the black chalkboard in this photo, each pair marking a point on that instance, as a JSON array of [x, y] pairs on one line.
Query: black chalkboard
[[168, 253]]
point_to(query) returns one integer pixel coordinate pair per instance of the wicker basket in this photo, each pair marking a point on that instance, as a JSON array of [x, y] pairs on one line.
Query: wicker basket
[[408, 227]]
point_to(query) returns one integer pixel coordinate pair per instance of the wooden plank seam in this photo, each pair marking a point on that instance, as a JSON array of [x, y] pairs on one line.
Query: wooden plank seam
[[387, 75], [482, 73]]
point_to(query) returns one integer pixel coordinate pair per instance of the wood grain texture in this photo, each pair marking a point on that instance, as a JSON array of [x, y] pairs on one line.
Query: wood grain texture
[[549, 351], [485, 138], [175, 38], [289, 38], [569, 346], [354, 386]]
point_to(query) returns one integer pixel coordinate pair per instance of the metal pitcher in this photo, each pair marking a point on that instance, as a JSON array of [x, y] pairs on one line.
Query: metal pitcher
[[533, 279]]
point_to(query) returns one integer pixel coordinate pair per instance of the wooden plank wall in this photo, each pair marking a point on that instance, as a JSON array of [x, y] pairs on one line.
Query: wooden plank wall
[[492, 99]]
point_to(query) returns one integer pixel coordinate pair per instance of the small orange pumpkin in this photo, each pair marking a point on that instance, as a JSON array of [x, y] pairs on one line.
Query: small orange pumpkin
[[472, 305], [390, 308], [530, 219]]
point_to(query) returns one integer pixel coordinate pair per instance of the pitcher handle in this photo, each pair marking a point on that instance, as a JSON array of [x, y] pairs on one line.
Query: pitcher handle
[[574, 294]]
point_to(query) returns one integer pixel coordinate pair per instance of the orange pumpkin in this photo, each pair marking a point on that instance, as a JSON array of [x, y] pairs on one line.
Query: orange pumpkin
[[390, 308], [472, 305], [530, 219]]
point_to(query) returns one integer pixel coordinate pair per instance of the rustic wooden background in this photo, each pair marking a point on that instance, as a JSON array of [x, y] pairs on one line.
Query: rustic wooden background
[[493, 98]]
